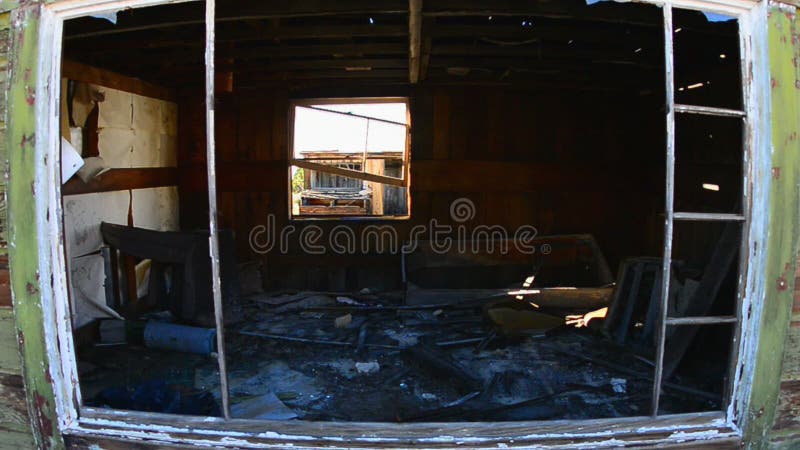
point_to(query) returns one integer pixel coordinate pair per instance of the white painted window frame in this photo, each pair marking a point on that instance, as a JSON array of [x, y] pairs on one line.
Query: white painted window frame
[[170, 429]]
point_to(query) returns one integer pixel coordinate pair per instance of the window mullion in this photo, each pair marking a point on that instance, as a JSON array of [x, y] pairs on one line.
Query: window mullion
[[701, 320], [707, 217], [668, 208], [709, 111], [213, 239]]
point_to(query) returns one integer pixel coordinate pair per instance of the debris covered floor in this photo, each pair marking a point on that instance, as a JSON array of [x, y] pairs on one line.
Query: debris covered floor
[[329, 357]]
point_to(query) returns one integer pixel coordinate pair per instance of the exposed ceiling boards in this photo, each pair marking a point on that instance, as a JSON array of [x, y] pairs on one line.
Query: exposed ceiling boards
[[310, 42]]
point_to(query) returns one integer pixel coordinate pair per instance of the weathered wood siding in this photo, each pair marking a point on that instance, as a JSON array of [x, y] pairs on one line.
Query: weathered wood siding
[[15, 431]]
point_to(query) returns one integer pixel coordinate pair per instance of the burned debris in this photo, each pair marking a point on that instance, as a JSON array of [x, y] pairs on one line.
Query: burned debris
[[411, 355]]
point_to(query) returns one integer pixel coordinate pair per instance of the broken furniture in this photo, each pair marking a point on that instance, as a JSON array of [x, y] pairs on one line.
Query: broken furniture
[[185, 255], [561, 260], [634, 315], [566, 272]]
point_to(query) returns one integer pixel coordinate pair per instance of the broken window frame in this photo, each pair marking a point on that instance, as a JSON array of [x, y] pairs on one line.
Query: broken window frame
[[75, 419], [403, 182], [673, 108]]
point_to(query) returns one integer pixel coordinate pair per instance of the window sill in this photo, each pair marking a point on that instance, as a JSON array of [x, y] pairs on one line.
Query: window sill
[[681, 430]]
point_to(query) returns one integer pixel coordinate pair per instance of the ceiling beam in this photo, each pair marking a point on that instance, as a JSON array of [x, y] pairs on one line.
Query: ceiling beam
[[415, 40], [297, 65], [283, 51], [189, 37], [177, 16]]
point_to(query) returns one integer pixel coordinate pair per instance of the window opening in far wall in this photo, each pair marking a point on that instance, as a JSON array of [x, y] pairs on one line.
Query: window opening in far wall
[[349, 158]]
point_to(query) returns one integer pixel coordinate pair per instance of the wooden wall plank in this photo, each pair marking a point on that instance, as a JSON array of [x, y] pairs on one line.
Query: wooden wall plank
[[421, 109], [457, 113], [9, 350], [228, 123], [13, 411], [280, 127], [461, 176], [441, 126], [464, 176], [237, 177], [81, 72], [787, 415], [5, 282], [123, 180]]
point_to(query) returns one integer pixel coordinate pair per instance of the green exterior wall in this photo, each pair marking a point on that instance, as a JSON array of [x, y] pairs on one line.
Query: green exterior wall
[[15, 428], [784, 227], [22, 224]]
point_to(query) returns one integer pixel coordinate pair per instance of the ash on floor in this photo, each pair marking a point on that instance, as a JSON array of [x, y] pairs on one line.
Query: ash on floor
[[330, 359]]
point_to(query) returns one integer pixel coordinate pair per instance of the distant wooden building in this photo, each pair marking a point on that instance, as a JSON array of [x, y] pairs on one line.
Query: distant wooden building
[[331, 194]]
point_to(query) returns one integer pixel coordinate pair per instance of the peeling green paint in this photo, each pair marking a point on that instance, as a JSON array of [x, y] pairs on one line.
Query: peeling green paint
[[784, 221], [23, 253]]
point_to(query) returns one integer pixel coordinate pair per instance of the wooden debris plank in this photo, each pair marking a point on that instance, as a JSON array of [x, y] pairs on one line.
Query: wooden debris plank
[[348, 173]]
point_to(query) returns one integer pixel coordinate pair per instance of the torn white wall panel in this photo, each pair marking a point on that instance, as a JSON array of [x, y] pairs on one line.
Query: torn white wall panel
[[87, 277], [156, 208], [146, 149], [136, 131], [84, 99], [83, 214], [76, 138], [168, 150], [71, 160], [116, 109], [116, 146], [169, 119], [146, 113]]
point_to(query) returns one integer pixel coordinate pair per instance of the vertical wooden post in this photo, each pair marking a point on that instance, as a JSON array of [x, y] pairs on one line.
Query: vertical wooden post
[[213, 239], [666, 265]]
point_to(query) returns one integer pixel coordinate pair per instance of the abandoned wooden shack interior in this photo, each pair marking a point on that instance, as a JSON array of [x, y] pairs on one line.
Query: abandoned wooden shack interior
[[457, 220]]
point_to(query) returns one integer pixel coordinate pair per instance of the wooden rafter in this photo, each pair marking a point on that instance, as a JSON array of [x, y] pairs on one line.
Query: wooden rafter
[[415, 40]]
